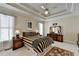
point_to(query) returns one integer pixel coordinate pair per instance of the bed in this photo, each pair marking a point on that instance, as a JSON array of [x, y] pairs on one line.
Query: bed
[[36, 42], [37, 45]]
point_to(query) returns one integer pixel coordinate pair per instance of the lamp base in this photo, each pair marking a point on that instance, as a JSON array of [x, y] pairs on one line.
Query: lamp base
[[17, 36]]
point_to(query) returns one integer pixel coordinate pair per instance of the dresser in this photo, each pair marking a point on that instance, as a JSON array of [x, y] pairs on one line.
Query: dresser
[[56, 37]]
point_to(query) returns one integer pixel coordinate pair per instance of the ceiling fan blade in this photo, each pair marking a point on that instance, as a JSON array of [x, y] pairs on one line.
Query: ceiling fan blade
[[43, 7]]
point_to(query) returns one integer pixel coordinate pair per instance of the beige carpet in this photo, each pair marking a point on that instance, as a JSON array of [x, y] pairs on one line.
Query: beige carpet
[[55, 51], [25, 52]]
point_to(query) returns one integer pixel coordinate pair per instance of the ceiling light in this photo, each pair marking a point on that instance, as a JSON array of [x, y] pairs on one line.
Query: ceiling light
[[46, 9], [46, 12]]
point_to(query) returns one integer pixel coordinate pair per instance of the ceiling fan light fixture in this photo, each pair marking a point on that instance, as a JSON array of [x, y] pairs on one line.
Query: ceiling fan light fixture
[[43, 7], [46, 12]]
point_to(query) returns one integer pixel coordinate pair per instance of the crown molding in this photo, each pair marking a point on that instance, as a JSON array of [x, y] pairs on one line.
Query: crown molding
[[9, 7], [62, 12], [29, 11]]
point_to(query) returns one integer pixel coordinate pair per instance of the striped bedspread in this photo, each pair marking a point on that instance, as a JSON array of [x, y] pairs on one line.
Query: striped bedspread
[[38, 44]]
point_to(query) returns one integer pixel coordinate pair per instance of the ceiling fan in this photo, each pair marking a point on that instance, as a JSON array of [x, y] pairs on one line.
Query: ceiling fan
[[46, 9]]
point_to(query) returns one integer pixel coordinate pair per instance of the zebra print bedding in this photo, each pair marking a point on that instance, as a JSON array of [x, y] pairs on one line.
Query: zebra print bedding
[[39, 44]]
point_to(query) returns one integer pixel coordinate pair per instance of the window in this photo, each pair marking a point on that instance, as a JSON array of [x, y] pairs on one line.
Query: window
[[6, 27], [41, 28], [29, 24]]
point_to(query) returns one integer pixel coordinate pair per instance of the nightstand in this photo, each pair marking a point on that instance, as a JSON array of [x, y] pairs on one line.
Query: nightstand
[[17, 43]]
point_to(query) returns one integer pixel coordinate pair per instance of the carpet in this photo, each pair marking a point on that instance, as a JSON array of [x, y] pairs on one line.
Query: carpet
[[56, 51]]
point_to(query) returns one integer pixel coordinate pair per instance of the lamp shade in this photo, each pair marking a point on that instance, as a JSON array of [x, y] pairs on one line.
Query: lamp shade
[[37, 31], [17, 32]]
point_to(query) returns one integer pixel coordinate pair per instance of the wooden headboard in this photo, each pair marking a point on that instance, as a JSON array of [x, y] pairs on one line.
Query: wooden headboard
[[26, 34]]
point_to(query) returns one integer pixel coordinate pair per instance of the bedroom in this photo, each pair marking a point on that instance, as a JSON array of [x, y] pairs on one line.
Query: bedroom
[[31, 18]]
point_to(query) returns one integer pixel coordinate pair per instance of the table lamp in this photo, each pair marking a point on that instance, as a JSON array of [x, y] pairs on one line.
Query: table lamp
[[17, 32]]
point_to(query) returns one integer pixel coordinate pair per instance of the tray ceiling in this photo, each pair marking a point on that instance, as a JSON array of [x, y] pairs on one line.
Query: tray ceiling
[[55, 9]]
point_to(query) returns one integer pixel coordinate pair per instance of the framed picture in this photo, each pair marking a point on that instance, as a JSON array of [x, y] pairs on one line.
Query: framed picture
[[29, 25]]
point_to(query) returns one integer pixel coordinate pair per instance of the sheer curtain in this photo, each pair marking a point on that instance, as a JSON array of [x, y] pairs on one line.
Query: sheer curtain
[[6, 31]]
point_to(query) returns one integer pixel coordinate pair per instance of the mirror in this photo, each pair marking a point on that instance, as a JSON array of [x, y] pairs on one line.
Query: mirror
[[56, 29]]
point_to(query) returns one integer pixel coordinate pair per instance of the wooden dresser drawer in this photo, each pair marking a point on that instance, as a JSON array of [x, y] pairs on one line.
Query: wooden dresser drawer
[[18, 43], [56, 37]]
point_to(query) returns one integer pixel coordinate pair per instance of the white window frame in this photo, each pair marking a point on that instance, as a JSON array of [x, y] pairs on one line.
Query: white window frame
[[7, 27]]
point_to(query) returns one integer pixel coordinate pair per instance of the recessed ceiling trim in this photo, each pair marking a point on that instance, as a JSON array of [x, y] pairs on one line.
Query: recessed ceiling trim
[[28, 6], [63, 12], [60, 12], [28, 10], [66, 13], [6, 6], [32, 12]]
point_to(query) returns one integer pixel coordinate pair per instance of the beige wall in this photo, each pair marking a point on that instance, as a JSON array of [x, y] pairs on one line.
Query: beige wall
[[21, 23], [70, 27]]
